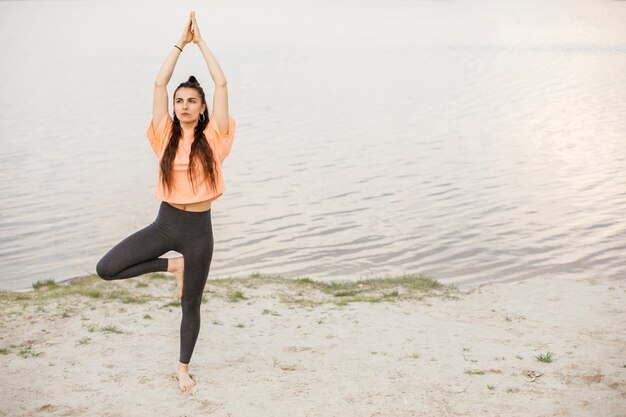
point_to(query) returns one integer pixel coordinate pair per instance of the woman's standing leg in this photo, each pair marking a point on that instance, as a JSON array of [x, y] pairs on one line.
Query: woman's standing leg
[[198, 253]]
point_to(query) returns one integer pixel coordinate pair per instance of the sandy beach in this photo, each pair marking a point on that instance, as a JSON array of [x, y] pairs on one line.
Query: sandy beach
[[271, 346]]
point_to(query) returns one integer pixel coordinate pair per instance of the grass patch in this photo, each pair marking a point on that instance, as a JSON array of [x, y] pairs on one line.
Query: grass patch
[[105, 329], [4, 351], [234, 295], [307, 292], [475, 372], [345, 293], [111, 329], [299, 292], [158, 275], [547, 357], [134, 299], [91, 287], [85, 340], [46, 283], [28, 352], [272, 312], [174, 303], [147, 316], [482, 371], [491, 387]]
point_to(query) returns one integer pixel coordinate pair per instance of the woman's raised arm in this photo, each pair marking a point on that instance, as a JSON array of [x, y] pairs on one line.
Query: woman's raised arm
[[220, 97], [160, 101]]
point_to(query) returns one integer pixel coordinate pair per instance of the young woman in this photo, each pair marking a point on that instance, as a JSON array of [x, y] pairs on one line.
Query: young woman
[[191, 147]]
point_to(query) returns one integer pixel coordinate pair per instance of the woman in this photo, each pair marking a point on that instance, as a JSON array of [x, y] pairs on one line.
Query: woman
[[191, 148]]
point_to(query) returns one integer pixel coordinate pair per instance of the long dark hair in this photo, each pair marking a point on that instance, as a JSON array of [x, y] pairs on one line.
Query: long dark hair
[[200, 149]]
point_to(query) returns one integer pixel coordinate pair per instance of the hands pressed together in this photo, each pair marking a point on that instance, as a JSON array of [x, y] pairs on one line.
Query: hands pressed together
[[191, 33]]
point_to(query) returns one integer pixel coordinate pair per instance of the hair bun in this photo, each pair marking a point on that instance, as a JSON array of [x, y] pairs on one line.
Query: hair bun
[[193, 80]]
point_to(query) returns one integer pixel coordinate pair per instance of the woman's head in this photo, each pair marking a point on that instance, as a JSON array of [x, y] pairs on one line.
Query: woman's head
[[190, 103]]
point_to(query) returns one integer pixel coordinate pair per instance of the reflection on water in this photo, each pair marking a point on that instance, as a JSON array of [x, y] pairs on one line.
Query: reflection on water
[[474, 142]]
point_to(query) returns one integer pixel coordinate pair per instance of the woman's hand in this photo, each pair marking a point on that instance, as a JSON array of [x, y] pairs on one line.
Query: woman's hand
[[187, 35], [195, 29]]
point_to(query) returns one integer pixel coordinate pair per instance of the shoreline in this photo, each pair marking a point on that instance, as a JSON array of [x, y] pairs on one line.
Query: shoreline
[[275, 346]]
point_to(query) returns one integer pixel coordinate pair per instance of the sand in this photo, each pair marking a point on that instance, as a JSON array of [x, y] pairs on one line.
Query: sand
[[277, 349]]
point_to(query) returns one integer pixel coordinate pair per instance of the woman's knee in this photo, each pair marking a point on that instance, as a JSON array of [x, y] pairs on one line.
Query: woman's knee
[[191, 305], [104, 270]]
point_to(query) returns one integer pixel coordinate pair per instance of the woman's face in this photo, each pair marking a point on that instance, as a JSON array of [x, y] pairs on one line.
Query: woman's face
[[188, 105]]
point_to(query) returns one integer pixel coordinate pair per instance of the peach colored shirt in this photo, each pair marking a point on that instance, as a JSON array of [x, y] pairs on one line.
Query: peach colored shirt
[[182, 192]]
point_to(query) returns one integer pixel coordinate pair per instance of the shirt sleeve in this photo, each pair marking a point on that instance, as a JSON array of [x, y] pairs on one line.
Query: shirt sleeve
[[158, 136], [223, 142]]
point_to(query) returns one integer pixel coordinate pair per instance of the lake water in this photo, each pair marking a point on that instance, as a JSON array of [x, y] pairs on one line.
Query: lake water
[[474, 141]]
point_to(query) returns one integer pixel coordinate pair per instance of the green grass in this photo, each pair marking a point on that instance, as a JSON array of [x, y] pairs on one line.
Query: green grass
[[234, 295], [147, 316], [4, 351], [475, 372], [374, 290], [272, 312], [345, 293], [85, 340], [547, 357], [131, 299], [158, 275], [90, 287], [482, 371], [301, 292], [28, 352], [46, 283], [174, 303], [111, 329], [104, 329], [491, 387]]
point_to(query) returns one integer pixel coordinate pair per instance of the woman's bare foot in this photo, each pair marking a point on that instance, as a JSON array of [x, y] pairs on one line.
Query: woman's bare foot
[[185, 381], [177, 267]]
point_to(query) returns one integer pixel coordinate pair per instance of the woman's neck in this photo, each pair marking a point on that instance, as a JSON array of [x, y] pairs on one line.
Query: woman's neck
[[188, 128]]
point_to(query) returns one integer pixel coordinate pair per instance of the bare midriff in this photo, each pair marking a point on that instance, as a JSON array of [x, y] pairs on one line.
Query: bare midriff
[[198, 206]]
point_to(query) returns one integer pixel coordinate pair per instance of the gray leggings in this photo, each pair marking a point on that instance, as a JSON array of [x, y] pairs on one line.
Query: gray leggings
[[187, 232]]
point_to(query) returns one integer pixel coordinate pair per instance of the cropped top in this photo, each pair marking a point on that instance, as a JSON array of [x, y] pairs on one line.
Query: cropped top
[[182, 192]]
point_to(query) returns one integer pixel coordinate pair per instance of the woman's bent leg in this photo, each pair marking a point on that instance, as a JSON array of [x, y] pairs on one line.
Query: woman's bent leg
[[136, 255]]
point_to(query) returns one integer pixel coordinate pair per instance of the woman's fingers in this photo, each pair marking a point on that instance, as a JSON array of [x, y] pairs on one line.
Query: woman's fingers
[[195, 28], [187, 33]]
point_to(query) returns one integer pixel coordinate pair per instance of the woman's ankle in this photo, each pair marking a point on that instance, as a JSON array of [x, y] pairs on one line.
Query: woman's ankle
[[174, 264]]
